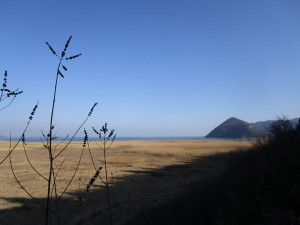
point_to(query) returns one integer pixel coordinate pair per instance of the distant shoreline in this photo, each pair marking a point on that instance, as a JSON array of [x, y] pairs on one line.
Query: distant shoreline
[[171, 138]]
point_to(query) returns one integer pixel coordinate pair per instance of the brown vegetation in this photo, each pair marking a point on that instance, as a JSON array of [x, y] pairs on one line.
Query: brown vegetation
[[136, 168], [259, 186]]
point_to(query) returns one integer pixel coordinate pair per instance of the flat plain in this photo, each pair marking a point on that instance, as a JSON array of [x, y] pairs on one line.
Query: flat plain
[[141, 174]]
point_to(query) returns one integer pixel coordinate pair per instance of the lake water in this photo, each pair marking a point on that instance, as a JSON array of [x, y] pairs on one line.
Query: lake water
[[39, 139]]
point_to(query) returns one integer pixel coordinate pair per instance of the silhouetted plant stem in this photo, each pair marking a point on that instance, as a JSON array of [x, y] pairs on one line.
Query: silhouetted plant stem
[[75, 171], [106, 182], [90, 153], [21, 137], [50, 147], [81, 125], [7, 93], [28, 160], [16, 178], [53, 194], [50, 135], [104, 139]]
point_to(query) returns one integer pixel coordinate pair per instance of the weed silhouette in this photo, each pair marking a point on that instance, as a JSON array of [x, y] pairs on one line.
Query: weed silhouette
[[7, 96], [56, 155]]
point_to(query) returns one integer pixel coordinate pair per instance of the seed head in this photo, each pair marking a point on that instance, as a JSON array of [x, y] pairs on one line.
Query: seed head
[[51, 49], [104, 128], [58, 71], [65, 68], [73, 57], [67, 44], [33, 111], [92, 109], [85, 138], [111, 133]]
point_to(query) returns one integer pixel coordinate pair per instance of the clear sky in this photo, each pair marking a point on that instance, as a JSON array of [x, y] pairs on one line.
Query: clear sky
[[156, 67]]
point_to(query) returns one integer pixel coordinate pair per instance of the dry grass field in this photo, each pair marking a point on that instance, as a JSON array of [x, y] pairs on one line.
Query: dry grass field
[[142, 173]]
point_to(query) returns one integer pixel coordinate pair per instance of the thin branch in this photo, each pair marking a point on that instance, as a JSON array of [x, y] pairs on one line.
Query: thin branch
[[110, 145], [8, 103], [28, 160], [56, 196], [78, 164], [19, 183], [106, 179], [11, 150], [62, 141], [72, 137], [92, 158], [50, 148], [56, 175], [54, 187]]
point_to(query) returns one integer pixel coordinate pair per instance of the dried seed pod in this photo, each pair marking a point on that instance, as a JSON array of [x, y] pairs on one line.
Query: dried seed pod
[[67, 44], [85, 138], [111, 133], [4, 79], [73, 57], [92, 180], [51, 49], [58, 71], [92, 109], [104, 128], [33, 111], [95, 130], [65, 68]]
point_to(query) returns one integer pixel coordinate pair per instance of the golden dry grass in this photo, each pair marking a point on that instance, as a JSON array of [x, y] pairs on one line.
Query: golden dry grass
[[135, 168]]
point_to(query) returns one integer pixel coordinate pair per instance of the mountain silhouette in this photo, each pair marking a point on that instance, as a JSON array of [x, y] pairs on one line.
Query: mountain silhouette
[[265, 125], [235, 128]]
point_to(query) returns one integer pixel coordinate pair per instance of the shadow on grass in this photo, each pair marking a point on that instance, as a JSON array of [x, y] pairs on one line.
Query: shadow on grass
[[260, 186], [130, 194], [257, 186]]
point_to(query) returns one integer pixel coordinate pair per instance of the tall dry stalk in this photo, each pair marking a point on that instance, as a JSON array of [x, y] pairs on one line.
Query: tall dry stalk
[[50, 137], [106, 139], [54, 154]]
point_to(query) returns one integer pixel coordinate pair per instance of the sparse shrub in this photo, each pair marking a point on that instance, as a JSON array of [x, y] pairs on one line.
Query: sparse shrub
[[282, 126], [282, 133]]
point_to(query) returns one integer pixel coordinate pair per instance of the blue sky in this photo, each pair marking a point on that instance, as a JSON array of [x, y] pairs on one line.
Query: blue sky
[[156, 67]]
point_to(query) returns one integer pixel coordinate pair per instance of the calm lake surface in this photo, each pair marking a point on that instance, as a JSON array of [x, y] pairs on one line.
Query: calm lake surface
[[39, 139]]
